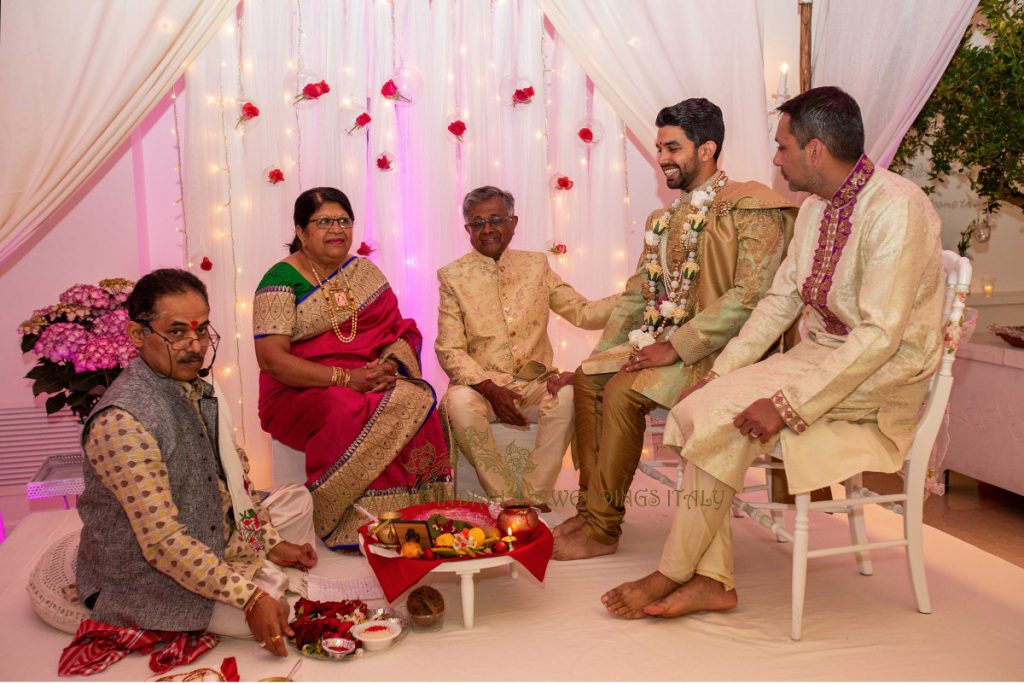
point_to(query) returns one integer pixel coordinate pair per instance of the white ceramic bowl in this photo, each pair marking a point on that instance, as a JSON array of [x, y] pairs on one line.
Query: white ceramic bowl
[[376, 635]]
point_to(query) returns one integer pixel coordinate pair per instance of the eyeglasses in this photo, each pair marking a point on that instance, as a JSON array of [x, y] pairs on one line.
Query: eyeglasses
[[180, 340], [494, 221], [325, 223]]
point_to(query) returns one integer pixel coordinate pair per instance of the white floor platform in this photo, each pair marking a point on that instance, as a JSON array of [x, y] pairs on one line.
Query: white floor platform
[[855, 628]]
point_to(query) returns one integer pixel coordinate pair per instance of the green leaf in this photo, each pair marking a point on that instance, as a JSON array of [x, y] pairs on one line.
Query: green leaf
[[28, 341], [55, 403]]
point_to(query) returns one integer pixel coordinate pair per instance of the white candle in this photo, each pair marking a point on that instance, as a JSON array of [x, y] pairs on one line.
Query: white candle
[[783, 73]]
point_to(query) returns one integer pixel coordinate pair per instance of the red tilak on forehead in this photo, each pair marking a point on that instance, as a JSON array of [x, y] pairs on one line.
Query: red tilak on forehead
[[194, 324]]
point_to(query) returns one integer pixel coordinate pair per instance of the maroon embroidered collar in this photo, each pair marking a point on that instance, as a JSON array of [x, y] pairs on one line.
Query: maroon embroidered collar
[[833, 231]]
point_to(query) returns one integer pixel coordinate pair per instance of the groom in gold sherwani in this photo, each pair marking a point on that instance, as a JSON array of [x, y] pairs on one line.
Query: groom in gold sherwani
[[707, 260], [865, 263]]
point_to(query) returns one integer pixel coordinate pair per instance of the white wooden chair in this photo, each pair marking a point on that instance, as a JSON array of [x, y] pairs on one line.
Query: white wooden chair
[[909, 503]]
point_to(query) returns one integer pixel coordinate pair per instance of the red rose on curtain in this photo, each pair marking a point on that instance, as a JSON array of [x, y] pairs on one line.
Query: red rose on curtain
[[558, 249], [390, 91], [361, 122], [457, 128], [275, 176], [312, 91], [586, 135], [522, 96], [248, 112], [564, 183], [365, 249], [206, 263], [384, 162]]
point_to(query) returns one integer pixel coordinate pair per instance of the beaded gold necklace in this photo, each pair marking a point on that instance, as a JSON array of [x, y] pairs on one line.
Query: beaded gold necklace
[[340, 293]]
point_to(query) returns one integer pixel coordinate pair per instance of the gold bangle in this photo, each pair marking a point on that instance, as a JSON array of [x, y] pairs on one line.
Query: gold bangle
[[334, 377], [250, 604], [346, 377]]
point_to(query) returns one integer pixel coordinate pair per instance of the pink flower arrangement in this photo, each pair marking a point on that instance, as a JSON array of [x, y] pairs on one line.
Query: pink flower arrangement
[[81, 342]]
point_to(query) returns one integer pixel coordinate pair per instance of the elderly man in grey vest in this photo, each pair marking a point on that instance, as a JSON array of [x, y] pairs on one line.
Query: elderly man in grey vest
[[172, 537]]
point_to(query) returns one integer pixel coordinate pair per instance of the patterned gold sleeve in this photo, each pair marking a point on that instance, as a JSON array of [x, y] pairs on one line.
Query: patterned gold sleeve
[[786, 412], [273, 311], [270, 535], [451, 344], [759, 250], [116, 444]]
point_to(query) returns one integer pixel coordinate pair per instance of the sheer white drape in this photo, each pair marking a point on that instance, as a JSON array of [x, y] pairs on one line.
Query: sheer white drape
[[889, 56], [645, 55], [464, 57], [76, 79]]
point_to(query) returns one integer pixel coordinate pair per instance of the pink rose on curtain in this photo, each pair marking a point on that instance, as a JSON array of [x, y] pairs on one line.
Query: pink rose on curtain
[[522, 96], [361, 122], [390, 91], [457, 128]]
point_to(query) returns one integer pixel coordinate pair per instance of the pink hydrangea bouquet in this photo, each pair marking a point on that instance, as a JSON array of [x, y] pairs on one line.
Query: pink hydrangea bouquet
[[81, 344]]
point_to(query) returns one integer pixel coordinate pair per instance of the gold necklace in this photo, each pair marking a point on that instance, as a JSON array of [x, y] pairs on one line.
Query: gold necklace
[[350, 298]]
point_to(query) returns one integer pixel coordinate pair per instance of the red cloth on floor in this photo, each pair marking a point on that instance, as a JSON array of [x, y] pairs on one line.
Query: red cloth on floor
[[97, 645], [397, 575]]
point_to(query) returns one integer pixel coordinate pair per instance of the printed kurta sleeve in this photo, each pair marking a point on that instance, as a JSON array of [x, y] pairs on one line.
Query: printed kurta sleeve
[[129, 464], [895, 258], [758, 252], [769, 320], [270, 535], [451, 345], [576, 308]]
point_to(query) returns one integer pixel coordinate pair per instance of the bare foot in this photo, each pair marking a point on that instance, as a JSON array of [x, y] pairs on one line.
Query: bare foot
[[696, 595], [578, 546], [570, 525], [629, 599]]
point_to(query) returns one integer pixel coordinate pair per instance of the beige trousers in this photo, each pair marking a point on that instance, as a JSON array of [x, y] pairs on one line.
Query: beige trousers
[[291, 512], [610, 425], [512, 475], [700, 541]]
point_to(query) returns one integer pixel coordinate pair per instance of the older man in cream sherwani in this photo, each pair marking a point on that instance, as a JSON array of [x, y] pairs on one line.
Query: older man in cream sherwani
[[492, 340]]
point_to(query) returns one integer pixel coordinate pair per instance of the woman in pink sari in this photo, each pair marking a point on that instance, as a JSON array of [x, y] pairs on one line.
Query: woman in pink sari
[[340, 376]]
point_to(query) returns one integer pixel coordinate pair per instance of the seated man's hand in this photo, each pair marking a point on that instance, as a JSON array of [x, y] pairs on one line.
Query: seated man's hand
[[268, 623], [655, 355], [556, 383], [286, 554], [503, 401], [760, 421], [691, 389]]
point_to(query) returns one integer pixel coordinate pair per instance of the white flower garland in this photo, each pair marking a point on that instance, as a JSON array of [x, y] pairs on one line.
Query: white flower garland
[[666, 316]]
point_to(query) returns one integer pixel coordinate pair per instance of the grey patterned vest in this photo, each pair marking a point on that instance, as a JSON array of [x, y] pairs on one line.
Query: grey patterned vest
[[113, 575]]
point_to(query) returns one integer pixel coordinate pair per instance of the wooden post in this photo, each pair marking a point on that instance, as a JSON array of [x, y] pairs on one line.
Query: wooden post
[[805, 44]]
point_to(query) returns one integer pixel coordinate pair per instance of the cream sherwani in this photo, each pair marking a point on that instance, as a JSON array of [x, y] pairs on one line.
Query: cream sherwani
[[493, 325], [867, 265]]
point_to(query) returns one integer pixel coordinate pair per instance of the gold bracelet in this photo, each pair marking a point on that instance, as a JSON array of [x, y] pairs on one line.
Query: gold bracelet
[[346, 377], [250, 604], [334, 377]]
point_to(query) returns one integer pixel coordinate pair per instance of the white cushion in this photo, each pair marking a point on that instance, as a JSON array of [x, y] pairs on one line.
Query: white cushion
[[51, 586]]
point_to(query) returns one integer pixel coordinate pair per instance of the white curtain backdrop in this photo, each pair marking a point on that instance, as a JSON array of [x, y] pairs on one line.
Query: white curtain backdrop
[[462, 58], [77, 78], [889, 56], [645, 55]]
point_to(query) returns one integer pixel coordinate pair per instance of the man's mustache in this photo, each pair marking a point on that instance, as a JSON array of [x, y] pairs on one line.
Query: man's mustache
[[191, 358]]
